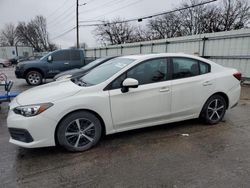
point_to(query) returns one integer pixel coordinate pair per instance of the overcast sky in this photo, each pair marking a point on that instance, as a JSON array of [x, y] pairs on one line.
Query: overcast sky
[[60, 14]]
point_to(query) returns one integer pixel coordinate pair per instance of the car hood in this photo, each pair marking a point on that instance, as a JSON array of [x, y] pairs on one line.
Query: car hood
[[29, 62], [69, 72], [48, 93]]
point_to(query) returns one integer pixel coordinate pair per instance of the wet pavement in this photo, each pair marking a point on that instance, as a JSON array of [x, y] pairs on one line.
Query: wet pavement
[[184, 154]]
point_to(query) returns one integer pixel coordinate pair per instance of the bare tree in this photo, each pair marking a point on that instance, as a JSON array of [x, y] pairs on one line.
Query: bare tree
[[35, 34], [165, 26], [8, 35], [142, 34], [206, 18], [114, 32], [234, 14]]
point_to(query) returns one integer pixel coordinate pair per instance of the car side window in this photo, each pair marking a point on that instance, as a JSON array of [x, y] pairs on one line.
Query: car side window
[[61, 56], [149, 71], [75, 55], [146, 72], [204, 68], [184, 67]]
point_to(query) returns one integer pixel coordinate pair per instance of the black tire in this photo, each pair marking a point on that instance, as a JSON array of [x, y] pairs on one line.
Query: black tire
[[212, 112], [34, 78], [79, 140]]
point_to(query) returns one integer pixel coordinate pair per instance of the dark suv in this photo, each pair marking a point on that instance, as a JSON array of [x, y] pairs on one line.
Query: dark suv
[[48, 66]]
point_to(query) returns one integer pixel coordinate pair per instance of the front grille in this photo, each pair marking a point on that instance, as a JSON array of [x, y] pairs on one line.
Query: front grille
[[21, 135]]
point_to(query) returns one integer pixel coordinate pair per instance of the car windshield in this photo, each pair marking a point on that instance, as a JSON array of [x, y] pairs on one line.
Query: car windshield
[[92, 64], [105, 71]]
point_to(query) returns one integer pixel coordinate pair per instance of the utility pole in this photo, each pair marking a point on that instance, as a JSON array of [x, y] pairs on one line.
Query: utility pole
[[77, 24]]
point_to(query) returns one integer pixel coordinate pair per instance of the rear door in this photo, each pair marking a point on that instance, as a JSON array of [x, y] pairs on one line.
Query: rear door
[[76, 59], [191, 86]]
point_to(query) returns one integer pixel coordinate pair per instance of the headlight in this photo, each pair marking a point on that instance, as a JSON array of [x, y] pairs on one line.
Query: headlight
[[32, 110], [64, 77]]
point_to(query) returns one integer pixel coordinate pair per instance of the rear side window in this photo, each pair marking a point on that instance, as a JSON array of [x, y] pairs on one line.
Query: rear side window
[[61, 56], [204, 68], [184, 67], [75, 55]]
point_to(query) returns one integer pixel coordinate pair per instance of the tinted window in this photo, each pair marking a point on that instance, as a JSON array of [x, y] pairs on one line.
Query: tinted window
[[61, 56], [204, 68], [75, 55], [118, 82], [149, 71], [184, 67]]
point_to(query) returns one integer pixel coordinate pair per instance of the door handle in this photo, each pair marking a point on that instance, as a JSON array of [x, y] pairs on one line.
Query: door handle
[[207, 83], [66, 63], [164, 89]]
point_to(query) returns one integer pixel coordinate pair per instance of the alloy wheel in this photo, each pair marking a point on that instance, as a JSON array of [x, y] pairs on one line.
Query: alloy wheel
[[80, 132], [34, 78], [215, 109]]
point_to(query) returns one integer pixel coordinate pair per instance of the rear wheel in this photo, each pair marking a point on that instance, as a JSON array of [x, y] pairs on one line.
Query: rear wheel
[[34, 78], [214, 109], [79, 131]]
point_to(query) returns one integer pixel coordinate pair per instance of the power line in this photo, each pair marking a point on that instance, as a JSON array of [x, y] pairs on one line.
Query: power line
[[64, 33], [62, 15], [66, 20], [149, 16], [100, 6], [134, 19], [119, 9], [62, 5]]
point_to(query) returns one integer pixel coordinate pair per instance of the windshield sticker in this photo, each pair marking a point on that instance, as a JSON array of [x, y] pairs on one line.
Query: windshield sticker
[[120, 65]]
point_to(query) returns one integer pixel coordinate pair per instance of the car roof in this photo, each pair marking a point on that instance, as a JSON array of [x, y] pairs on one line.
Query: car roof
[[141, 57]]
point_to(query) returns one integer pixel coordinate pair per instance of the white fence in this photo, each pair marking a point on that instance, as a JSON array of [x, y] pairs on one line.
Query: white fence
[[231, 48]]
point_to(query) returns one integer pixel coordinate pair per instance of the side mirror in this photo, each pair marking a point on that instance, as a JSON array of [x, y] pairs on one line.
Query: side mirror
[[49, 59], [129, 83]]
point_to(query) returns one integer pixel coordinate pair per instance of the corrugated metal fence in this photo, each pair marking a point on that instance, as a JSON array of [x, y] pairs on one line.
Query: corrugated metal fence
[[231, 48]]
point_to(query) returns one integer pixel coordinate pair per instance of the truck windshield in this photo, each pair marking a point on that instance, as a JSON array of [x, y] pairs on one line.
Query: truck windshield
[[45, 56], [105, 71]]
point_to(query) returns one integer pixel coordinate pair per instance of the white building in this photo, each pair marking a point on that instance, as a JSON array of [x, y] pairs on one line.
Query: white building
[[9, 52]]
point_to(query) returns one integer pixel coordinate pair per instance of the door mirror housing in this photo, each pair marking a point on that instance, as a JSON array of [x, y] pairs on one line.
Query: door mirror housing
[[129, 83], [49, 59]]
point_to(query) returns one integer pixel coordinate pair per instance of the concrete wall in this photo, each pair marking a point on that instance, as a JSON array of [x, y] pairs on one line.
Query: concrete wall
[[231, 48]]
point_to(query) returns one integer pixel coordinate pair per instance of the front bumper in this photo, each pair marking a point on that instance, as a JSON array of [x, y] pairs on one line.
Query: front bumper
[[19, 73], [41, 130]]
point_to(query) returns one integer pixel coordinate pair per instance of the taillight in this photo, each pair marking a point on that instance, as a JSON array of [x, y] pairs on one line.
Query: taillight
[[237, 76]]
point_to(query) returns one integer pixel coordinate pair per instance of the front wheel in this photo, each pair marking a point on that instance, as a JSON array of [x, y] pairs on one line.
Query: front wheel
[[214, 109], [79, 131], [34, 78]]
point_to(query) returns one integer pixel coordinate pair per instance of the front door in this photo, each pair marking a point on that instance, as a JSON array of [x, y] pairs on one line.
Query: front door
[[60, 62], [147, 104]]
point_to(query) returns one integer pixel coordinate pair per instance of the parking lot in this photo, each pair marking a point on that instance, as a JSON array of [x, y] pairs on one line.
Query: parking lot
[[184, 154]]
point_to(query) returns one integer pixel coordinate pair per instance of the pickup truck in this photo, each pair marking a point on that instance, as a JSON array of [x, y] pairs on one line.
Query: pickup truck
[[49, 65]]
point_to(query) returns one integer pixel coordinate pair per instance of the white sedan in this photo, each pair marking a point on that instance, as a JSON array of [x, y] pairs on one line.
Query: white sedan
[[124, 93]]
